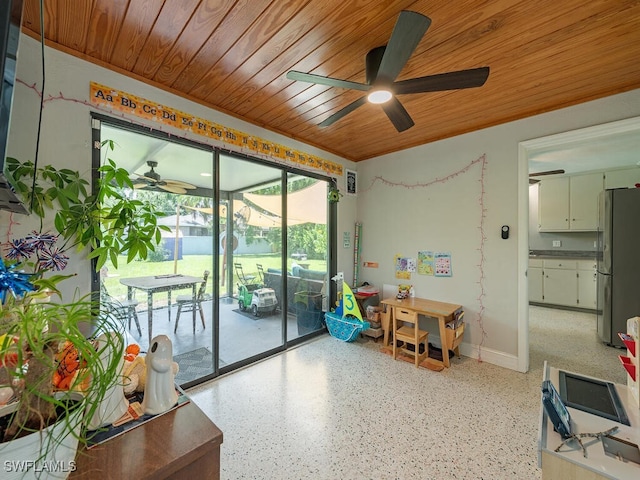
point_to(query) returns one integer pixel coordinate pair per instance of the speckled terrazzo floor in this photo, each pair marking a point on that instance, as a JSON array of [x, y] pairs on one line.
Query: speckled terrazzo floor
[[335, 410]]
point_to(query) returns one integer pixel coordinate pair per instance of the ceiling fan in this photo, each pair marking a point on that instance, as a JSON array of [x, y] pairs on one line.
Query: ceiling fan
[[541, 174], [382, 66], [151, 179]]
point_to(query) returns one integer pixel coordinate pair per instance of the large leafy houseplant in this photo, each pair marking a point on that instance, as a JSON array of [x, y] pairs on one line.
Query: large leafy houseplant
[[110, 221], [43, 336]]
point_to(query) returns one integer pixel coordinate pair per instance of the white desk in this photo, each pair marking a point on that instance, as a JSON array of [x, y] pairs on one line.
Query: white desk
[[570, 463], [442, 311]]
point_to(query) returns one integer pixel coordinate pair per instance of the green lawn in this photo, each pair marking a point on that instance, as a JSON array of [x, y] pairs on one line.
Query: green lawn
[[194, 265]]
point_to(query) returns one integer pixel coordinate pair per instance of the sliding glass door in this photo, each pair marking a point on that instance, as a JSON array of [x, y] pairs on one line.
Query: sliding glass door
[[307, 253], [251, 320], [242, 269]]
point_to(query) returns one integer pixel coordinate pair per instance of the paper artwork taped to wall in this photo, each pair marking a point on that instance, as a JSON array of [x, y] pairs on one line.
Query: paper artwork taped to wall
[[411, 264], [402, 268], [426, 263], [443, 264]]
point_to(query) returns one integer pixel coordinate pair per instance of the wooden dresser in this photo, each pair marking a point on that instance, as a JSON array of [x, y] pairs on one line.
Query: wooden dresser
[[181, 444]]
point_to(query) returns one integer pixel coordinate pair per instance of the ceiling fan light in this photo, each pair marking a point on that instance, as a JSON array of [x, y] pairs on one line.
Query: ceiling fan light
[[379, 96]]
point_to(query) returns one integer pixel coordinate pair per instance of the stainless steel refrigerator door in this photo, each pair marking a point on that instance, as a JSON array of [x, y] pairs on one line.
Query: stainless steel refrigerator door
[[604, 308], [624, 259]]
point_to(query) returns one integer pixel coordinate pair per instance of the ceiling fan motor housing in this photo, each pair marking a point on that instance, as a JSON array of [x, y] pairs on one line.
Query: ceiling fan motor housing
[[382, 67], [151, 173]]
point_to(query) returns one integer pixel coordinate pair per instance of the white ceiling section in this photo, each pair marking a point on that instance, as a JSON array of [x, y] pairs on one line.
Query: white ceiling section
[[188, 164], [180, 162], [617, 150]]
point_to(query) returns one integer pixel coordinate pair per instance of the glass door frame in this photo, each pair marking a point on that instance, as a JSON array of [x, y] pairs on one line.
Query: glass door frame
[[285, 170]]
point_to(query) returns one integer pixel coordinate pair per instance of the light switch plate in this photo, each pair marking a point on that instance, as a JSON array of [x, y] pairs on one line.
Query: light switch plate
[[557, 243]]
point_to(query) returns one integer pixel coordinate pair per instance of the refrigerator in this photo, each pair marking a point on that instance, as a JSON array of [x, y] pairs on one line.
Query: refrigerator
[[618, 262]]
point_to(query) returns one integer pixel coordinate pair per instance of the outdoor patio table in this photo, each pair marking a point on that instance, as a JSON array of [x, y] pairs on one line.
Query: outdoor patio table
[[160, 283]]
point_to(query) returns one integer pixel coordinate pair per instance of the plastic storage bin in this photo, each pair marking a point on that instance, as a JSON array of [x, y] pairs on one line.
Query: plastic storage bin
[[308, 311], [311, 300]]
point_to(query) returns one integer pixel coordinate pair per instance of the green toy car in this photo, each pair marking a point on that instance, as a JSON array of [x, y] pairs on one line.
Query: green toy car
[[257, 298]]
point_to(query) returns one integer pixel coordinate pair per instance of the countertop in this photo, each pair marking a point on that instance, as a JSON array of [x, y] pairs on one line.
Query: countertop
[[581, 254]]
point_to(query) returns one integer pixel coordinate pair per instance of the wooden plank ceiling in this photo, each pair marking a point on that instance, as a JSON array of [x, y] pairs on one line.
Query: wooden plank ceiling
[[233, 55]]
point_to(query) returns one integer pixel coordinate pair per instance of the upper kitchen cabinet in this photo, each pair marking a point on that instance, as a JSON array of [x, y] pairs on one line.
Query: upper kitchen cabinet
[[553, 204], [569, 203], [583, 201], [625, 178]]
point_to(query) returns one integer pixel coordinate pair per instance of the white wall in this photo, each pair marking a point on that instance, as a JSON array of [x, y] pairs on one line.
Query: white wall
[[66, 133], [448, 215]]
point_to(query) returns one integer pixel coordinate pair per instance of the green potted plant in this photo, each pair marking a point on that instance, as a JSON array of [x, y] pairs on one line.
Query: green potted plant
[[109, 222], [51, 362]]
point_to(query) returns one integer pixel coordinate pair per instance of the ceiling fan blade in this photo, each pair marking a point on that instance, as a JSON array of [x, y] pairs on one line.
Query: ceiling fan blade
[[143, 178], [407, 33], [474, 77], [330, 82], [343, 112], [140, 185], [180, 184], [533, 181], [548, 172], [172, 189], [397, 114]]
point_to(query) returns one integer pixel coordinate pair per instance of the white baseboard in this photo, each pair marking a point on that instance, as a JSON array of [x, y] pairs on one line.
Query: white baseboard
[[488, 355]]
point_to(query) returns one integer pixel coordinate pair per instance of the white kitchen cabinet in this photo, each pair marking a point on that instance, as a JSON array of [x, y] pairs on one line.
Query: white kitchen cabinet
[[587, 287], [583, 201], [563, 281], [560, 282], [534, 276], [553, 204], [569, 203], [625, 178]]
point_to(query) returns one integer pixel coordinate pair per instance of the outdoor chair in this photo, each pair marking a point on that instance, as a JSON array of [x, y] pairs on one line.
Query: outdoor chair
[[245, 279], [186, 303], [124, 310], [260, 272]]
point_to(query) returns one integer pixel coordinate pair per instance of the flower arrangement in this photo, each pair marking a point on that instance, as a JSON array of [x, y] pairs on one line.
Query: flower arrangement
[[47, 257]]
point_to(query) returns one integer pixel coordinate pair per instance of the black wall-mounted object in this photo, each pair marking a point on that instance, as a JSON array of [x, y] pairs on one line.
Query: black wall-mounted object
[[10, 21], [505, 232]]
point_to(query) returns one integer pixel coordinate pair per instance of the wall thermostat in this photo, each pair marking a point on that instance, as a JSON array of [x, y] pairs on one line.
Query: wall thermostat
[[505, 231]]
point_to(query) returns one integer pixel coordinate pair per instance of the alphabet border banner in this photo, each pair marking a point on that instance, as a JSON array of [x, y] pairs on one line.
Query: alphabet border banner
[[120, 101]]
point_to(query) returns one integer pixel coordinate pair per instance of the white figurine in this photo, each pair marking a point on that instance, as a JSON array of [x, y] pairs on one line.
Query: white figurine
[[159, 391], [114, 404]]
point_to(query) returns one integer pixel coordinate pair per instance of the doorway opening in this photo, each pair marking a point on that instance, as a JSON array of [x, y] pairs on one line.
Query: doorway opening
[[607, 146]]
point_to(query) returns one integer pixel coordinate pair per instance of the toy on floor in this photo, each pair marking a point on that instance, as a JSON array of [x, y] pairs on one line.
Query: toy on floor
[[345, 322]]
